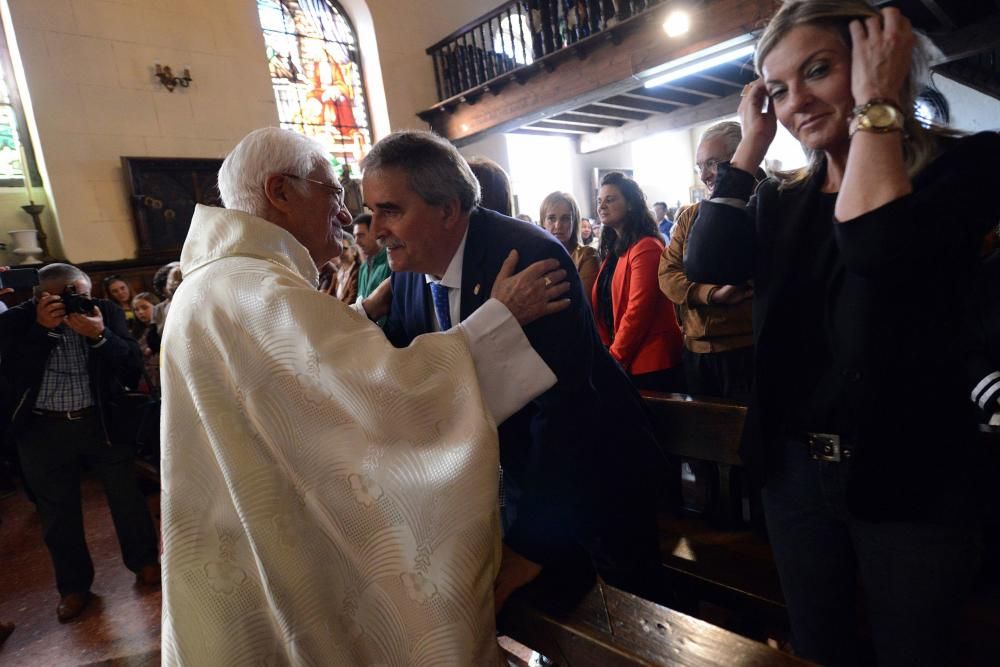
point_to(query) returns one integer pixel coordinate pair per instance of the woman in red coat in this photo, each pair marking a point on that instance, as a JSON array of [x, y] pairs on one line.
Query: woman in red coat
[[634, 318]]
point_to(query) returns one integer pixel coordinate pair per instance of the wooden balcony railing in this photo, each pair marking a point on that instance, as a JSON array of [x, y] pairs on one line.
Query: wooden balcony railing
[[517, 34]]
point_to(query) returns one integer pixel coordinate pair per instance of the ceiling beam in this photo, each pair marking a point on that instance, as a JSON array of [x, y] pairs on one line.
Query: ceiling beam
[[939, 13], [565, 127], [682, 89], [587, 120], [554, 130], [543, 133], [602, 111], [627, 101], [718, 79], [682, 118], [968, 41]]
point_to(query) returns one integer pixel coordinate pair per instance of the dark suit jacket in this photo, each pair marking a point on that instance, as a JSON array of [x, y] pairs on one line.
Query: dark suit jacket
[[898, 365], [577, 460]]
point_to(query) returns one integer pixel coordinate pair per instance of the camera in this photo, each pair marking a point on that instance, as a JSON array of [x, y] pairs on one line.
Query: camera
[[77, 303]]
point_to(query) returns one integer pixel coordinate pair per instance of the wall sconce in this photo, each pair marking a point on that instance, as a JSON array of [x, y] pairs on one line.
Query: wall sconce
[[169, 81]]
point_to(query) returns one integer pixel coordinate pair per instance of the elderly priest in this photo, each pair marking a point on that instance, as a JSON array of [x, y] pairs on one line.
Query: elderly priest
[[328, 499]]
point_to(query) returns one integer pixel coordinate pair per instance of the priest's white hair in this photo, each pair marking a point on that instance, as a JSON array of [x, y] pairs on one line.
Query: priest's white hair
[[263, 152]]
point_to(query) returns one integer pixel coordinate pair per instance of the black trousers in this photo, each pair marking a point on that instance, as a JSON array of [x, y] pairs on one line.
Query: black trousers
[[53, 452], [915, 574], [726, 374]]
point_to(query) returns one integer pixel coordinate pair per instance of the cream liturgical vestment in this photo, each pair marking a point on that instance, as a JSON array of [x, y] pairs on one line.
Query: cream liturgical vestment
[[328, 499]]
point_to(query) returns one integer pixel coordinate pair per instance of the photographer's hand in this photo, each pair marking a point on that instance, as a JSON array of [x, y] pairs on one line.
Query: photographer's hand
[[89, 326], [49, 311]]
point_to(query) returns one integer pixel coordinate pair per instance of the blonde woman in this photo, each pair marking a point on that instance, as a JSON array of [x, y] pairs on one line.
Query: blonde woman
[[858, 393], [560, 216]]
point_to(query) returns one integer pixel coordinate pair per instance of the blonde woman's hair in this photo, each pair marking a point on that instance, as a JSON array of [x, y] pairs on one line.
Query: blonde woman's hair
[[563, 198], [920, 144]]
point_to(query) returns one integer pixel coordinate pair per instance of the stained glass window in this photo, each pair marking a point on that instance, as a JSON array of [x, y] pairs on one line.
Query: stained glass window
[[12, 129], [316, 72]]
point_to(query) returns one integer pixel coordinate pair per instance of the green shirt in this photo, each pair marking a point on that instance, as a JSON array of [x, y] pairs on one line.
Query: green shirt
[[373, 271]]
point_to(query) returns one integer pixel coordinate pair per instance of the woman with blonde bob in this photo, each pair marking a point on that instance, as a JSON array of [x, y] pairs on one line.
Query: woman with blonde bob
[[859, 396], [560, 216]]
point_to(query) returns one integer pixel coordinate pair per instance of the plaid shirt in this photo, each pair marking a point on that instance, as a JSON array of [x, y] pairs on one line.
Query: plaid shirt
[[66, 382]]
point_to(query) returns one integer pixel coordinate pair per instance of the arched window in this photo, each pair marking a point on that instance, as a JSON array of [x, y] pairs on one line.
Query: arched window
[[316, 73], [16, 152]]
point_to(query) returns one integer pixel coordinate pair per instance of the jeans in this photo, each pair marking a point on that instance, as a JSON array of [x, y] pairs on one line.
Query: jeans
[[914, 574]]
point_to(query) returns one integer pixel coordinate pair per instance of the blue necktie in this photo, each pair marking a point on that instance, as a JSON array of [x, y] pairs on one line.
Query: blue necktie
[[441, 305]]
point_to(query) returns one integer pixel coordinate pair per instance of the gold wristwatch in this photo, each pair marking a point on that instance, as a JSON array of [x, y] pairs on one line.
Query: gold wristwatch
[[879, 116]]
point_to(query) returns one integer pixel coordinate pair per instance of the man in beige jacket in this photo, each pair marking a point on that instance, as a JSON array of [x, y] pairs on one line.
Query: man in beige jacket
[[718, 340]]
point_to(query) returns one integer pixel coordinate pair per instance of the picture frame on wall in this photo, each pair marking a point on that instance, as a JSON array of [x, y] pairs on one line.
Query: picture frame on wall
[[163, 193]]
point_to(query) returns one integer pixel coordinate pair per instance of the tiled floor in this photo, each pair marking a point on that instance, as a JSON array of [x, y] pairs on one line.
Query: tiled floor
[[120, 627]]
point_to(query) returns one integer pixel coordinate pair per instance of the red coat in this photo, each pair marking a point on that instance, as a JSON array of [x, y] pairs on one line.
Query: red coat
[[647, 337]]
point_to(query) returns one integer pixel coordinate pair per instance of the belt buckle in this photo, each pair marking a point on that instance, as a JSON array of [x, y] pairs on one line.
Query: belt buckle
[[824, 446]]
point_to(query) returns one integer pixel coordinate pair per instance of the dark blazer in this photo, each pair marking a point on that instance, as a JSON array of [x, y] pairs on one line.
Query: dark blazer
[[24, 352], [896, 376], [578, 459]]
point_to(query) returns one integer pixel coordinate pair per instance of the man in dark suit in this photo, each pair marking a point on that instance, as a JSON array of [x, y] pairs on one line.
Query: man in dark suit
[[578, 462]]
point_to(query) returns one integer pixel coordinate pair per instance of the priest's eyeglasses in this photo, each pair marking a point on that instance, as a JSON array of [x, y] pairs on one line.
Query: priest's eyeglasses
[[329, 187]]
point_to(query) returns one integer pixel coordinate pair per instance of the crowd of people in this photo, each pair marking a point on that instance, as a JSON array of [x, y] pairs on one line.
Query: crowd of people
[[368, 470]]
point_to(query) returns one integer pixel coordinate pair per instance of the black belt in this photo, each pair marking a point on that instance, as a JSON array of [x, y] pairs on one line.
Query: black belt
[[67, 415], [828, 447]]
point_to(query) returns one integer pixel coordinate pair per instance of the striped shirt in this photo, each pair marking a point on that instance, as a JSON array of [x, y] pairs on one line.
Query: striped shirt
[[66, 382]]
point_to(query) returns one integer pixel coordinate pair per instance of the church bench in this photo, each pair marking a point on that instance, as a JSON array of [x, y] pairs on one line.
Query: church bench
[[611, 628]]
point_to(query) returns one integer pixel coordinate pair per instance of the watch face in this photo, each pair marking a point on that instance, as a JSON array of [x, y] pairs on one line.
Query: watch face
[[882, 115]]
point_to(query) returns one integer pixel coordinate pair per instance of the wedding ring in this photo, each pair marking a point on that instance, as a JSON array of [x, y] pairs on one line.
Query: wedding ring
[[548, 283]]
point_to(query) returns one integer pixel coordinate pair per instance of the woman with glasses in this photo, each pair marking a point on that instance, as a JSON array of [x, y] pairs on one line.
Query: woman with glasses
[[560, 216], [859, 396], [635, 320]]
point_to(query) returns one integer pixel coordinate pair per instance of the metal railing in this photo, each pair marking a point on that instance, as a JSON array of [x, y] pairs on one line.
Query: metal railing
[[516, 34]]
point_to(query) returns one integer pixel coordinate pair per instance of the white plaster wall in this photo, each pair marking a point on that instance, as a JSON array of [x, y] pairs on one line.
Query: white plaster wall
[[405, 29], [87, 68]]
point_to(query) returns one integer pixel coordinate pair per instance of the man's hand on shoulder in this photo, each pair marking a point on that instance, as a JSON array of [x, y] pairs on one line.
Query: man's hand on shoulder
[[515, 571], [88, 326], [534, 292], [49, 310]]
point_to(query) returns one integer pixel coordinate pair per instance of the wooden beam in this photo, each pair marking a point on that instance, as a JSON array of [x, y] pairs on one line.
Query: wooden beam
[[725, 82], [682, 118], [689, 91], [611, 112], [669, 96], [565, 127], [939, 13], [644, 103], [587, 120], [968, 76], [968, 41]]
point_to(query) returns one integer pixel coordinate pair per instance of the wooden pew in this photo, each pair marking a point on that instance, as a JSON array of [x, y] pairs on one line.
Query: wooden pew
[[609, 628]]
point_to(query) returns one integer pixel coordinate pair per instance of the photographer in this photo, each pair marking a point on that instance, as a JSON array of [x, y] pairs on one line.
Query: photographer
[[66, 358]]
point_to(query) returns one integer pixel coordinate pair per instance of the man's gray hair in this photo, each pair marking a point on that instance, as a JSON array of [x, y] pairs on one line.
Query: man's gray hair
[[436, 170], [262, 153], [729, 130], [66, 273], [57, 272]]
